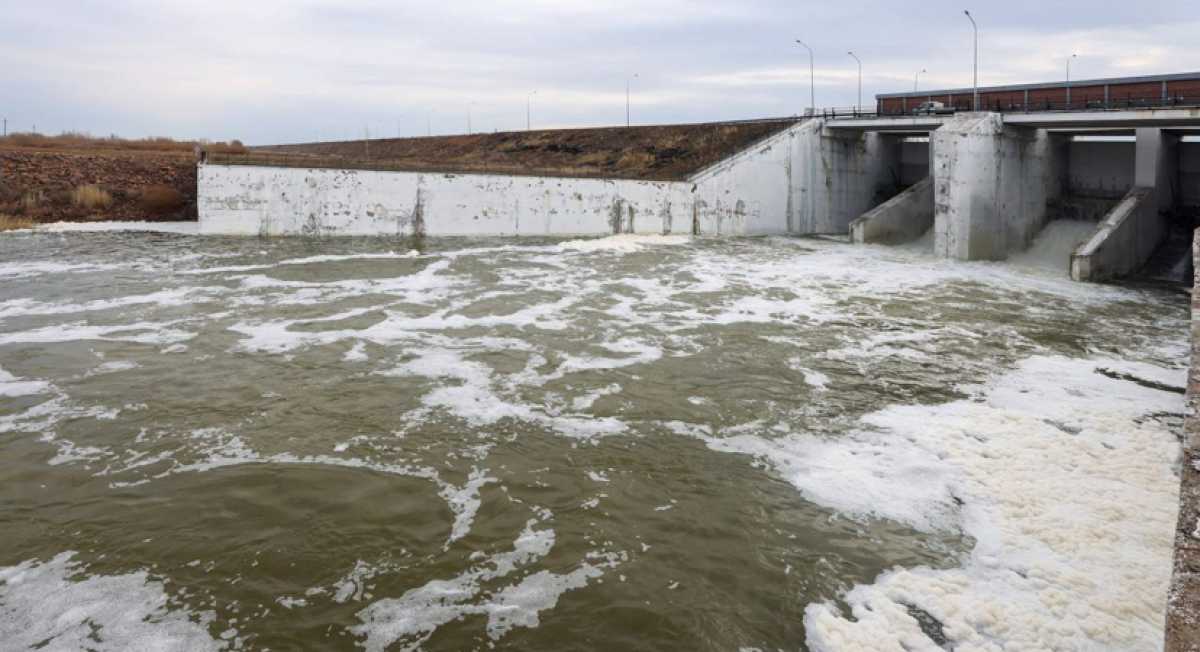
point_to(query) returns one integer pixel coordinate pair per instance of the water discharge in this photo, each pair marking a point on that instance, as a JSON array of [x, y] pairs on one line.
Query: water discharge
[[625, 443]]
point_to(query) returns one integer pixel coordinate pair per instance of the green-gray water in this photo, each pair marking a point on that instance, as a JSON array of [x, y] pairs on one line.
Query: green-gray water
[[328, 444]]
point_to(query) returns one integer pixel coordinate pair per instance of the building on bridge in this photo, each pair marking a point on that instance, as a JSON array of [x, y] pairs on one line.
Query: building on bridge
[[1181, 89]]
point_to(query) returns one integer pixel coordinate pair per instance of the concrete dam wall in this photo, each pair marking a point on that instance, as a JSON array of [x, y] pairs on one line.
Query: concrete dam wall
[[801, 179], [987, 185]]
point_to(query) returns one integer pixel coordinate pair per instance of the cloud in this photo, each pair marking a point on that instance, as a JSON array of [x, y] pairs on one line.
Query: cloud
[[275, 70]]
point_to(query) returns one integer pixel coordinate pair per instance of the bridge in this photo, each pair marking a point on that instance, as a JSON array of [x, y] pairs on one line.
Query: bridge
[[994, 178]]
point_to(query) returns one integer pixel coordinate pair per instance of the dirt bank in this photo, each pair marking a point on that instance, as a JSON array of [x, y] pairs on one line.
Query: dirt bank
[[48, 185], [664, 152]]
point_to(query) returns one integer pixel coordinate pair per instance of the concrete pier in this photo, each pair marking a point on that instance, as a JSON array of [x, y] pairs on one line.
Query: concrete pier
[[839, 175], [992, 184]]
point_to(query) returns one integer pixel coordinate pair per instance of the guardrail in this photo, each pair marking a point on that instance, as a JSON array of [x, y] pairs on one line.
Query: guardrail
[[1082, 104]]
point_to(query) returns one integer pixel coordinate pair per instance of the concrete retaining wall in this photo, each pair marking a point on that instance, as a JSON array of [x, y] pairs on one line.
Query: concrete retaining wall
[[1183, 599], [753, 192], [839, 174], [1123, 241], [1189, 175], [252, 200], [992, 184], [1100, 169], [914, 162], [903, 218]]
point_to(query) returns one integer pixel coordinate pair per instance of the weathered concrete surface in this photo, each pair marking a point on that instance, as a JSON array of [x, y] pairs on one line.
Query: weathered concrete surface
[[1156, 165], [1189, 175], [1100, 169], [914, 161], [1183, 600], [1123, 240], [840, 174], [764, 189], [902, 218], [250, 200], [992, 185]]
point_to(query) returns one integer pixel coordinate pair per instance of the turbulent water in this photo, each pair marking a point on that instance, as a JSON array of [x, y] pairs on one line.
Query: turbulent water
[[625, 443]]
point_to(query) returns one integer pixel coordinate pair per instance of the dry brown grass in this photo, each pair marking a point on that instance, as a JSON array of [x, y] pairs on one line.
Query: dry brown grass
[[31, 200], [160, 199], [12, 223], [75, 140], [91, 197]]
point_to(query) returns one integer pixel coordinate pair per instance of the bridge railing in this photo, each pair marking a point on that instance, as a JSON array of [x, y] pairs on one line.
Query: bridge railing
[[1085, 103], [846, 112]]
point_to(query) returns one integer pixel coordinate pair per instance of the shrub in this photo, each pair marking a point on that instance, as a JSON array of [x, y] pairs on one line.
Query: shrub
[[31, 200], [91, 197], [160, 199], [10, 223]]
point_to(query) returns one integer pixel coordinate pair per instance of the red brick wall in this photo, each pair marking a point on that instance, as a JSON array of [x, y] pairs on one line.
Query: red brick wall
[[1082, 94], [1151, 90], [1189, 89]]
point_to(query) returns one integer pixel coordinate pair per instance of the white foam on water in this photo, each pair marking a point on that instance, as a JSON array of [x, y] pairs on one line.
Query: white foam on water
[[464, 503], [407, 622], [39, 267], [357, 353], [520, 604], [140, 332], [10, 385], [413, 617], [186, 228], [310, 260], [586, 401], [1070, 500], [474, 400], [356, 584], [55, 605], [624, 243], [171, 297]]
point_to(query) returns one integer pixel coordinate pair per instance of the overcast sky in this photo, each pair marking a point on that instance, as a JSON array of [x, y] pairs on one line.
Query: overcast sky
[[282, 71]]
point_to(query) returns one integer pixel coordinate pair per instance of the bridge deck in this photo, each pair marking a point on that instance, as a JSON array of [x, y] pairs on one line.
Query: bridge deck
[[1059, 120]]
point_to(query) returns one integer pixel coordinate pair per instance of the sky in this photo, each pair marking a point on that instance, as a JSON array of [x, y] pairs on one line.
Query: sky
[[272, 71]]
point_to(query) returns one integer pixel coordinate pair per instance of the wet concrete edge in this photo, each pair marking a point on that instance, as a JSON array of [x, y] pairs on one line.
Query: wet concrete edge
[[1183, 599]]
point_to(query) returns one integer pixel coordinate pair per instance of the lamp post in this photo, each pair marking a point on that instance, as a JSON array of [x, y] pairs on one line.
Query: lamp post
[[469, 105], [975, 66], [1069, 79], [851, 53], [628, 81], [917, 78], [812, 79], [528, 104]]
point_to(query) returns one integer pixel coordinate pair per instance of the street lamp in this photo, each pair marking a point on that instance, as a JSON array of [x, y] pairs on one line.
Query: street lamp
[[1069, 79], [469, 105], [917, 78], [812, 80], [528, 103], [628, 80], [851, 53], [975, 78]]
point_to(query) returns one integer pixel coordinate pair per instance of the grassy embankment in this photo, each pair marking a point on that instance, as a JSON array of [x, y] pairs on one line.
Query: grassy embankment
[[77, 177]]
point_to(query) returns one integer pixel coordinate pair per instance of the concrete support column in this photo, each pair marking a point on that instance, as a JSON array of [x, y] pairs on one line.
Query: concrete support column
[[1156, 165], [991, 185], [840, 174]]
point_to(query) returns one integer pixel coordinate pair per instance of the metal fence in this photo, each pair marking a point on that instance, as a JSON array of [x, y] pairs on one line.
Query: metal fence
[[1113, 103]]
